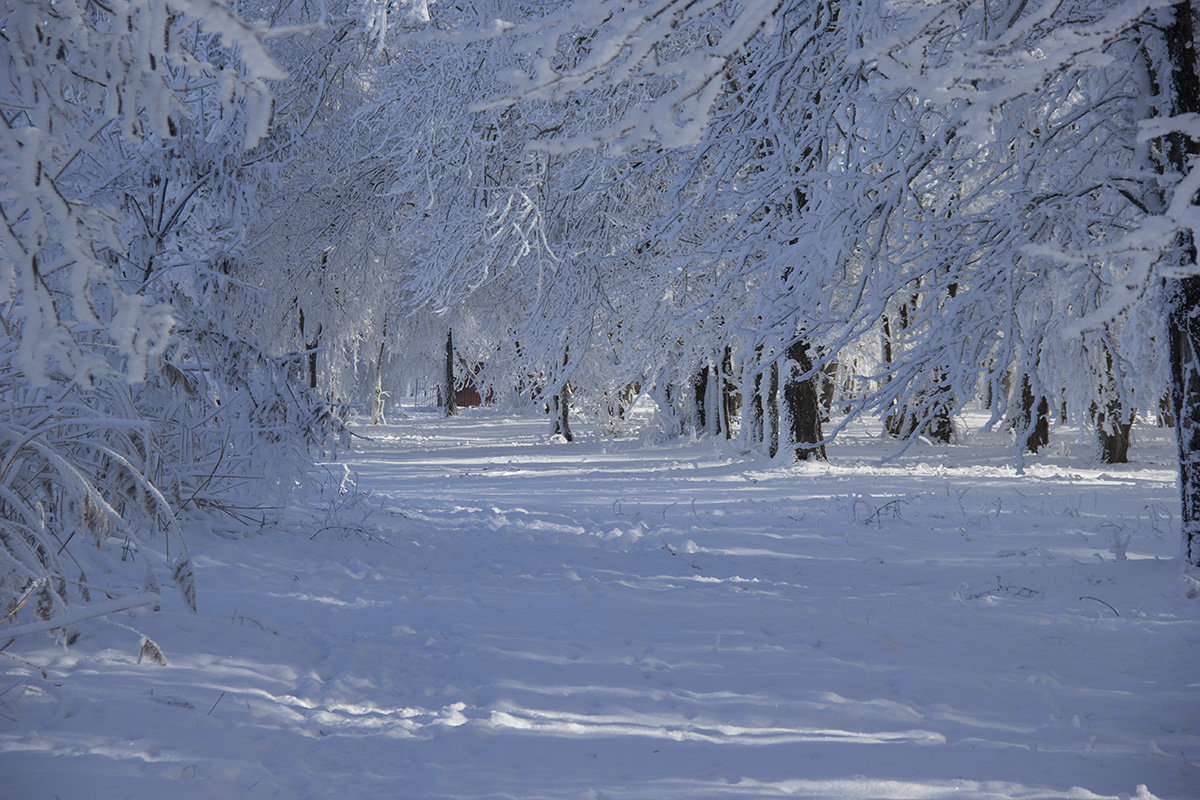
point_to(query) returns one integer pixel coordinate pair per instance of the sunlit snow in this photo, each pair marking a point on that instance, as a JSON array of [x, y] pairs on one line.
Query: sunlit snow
[[624, 619]]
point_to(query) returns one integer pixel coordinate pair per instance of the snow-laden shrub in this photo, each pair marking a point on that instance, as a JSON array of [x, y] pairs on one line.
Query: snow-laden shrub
[[91, 477], [132, 409], [77, 496]]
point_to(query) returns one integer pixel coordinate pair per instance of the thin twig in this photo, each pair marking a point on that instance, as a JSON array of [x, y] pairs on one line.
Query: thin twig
[[25, 599], [1101, 602]]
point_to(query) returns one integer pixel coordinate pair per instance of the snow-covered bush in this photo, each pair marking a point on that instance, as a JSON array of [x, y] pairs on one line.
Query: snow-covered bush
[[77, 494], [135, 401]]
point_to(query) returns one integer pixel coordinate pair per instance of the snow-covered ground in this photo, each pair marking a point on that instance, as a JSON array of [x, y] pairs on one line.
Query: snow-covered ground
[[529, 619]]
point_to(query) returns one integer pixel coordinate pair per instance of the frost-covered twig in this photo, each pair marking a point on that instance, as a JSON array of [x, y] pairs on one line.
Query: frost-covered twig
[[82, 613]]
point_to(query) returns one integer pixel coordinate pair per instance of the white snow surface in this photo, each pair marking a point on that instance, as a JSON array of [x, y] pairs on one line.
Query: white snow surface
[[527, 619]]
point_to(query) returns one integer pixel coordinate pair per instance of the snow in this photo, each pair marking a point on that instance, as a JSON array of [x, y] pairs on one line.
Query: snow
[[527, 619]]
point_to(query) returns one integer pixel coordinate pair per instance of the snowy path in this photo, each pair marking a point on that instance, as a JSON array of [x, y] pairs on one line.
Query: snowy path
[[626, 621]]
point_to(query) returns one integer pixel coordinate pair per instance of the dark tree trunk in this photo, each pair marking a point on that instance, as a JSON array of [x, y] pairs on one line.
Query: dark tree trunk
[[1165, 416], [887, 340], [897, 423], [1113, 432], [929, 411], [561, 406], [1183, 294], [829, 375], [714, 424], [730, 399], [625, 398], [377, 411], [700, 400], [771, 419], [940, 427], [449, 402], [1184, 316], [670, 411], [756, 410], [803, 401], [1037, 431], [1112, 421], [311, 345]]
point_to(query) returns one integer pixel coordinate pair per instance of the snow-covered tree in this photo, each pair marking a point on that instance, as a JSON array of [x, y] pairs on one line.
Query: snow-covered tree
[[994, 187], [136, 143]]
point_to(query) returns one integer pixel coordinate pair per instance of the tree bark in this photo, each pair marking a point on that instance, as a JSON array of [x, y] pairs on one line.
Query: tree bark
[[897, 422], [669, 408], [1036, 431], [803, 401], [771, 418], [756, 408], [1165, 416], [311, 345], [1184, 320], [700, 400], [561, 406], [1113, 432], [377, 411], [929, 411], [625, 398], [449, 402], [712, 402], [1183, 293], [1113, 422], [940, 427], [829, 388], [730, 399]]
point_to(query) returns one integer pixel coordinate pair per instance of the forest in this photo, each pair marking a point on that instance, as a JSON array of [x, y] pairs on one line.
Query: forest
[[243, 240]]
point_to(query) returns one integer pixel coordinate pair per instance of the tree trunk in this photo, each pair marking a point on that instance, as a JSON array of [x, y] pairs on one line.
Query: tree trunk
[[829, 388], [1113, 422], [1113, 432], [940, 427], [377, 410], [1184, 319], [377, 415], [730, 398], [897, 422], [887, 346], [449, 402], [756, 408], [929, 411], [625, 398], [1036, 431], [700, 401], [771, 418], [1183, 293], [713, 422], [561, 406], [564, 409], [310, 349], [803, 401], [1164, 417], [669, 409]]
